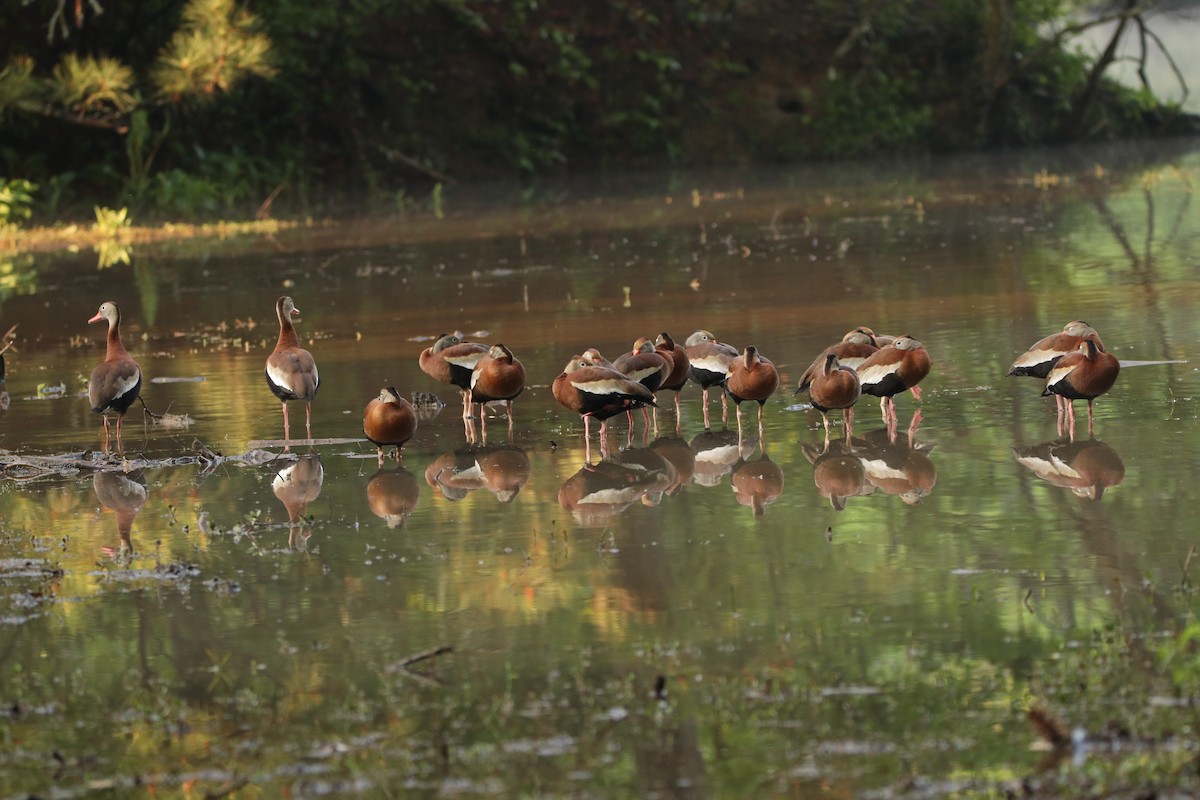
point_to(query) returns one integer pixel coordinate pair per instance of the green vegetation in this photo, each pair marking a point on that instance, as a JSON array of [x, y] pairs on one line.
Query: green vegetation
[[203, 108]]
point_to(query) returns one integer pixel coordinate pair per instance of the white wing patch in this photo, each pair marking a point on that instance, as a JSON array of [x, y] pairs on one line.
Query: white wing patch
[[466, 361], [603, 386], [1059, 373], [712, 364], [126, 384], [879, 470], [611, 497], [281, 378], [638, 375], [1031, 358], [877, 372]]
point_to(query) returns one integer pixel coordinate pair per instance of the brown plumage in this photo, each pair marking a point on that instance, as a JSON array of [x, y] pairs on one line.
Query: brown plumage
[[497, 376], [599, 392], [117, 381], [751, 377], [854, 348], [389, 420], [757, 483], [900, 365], [1041, 357], [645, 365], [709, 362], [680, 365], [835, 386], [451, 360], [1084, 374], [291, 371]]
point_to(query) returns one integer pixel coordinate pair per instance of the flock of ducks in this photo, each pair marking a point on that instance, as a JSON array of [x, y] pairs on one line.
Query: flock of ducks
[[1073, 363]]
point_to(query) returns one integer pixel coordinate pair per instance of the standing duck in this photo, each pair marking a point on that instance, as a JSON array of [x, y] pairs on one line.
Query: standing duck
[[497, 376], [709, 364], [117, 381], [451, 360], [1040, 358], [1085, 374], [599, 392], [389, 420], [855, 347], [680, 367], [291, 371], [646, 366], [835, 386], [751, 377], [900, 365]]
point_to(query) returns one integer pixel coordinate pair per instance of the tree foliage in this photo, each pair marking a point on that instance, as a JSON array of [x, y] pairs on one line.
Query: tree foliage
[[322, 102]]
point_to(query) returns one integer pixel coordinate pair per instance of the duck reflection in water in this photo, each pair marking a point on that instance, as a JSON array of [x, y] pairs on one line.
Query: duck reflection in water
[[676, 452], [125, 494], [757, 483], [392, 494], [598, 492], [837, 472], [502, 470], [1087, 468], [296, 485], [716, 452], [877, 461]]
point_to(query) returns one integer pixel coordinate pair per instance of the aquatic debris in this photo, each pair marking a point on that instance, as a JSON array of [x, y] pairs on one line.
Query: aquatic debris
[[185, 379], [173, 422], [47, 391], [22, 468]]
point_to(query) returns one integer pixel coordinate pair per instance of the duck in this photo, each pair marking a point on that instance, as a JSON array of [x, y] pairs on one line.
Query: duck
[[116, 383], [1084, 374], [854, 348], [751, 377], [1042, 355], [291, 370], [600, 392], [593, 357], [680, 366], [893, 368], [451, 360], [497, 376], [389, 420], [645, 365], [709, 362], [835, 386]]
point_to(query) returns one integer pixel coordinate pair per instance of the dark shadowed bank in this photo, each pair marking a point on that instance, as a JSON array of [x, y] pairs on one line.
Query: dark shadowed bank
[[203, 108]]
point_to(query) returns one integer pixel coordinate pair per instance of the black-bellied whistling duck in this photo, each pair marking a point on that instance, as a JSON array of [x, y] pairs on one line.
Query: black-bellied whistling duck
[[451, 360], [1085, 374], [497, 376], [117, 381], [389, 421], [599, 392], [291, 371], [709, 365], [835, 386], [751, 377], [1040, 358], [680, 367], [855, 347], [886, 373], [593, 357], [645, 365]]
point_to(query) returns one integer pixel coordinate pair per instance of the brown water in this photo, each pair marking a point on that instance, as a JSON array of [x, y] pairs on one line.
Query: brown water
[[682, 619]]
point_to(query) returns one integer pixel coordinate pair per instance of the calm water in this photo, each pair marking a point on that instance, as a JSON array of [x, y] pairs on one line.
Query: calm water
[[683, 618]]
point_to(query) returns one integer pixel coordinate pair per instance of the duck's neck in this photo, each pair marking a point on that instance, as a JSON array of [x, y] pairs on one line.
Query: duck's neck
[[115, 348], [287, 333]]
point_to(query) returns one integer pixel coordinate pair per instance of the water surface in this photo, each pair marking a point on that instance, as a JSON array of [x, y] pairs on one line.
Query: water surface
[[685, 617]]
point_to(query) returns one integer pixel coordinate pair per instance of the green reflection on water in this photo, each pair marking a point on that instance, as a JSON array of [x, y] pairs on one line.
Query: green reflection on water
[[821, 622]]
